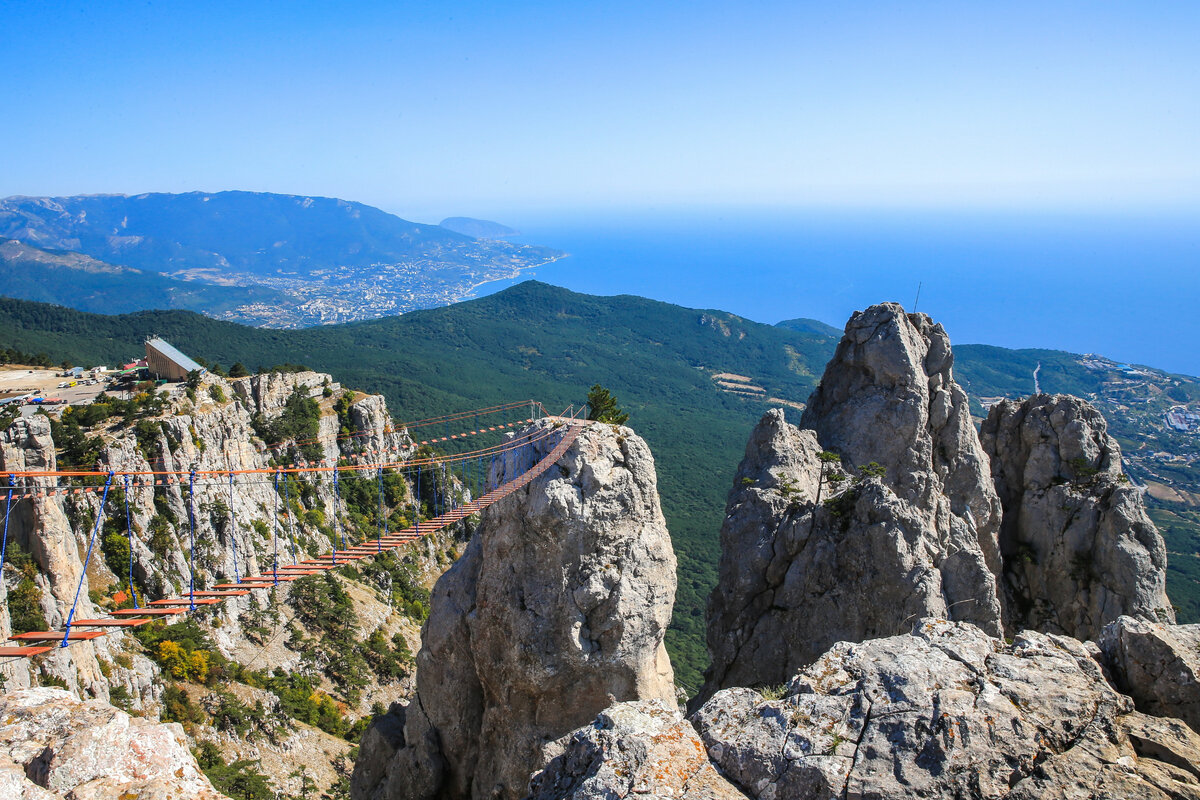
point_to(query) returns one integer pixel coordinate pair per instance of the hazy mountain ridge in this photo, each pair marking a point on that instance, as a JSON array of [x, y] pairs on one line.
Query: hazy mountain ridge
[[326, 260], [478, 228], [80, 281]]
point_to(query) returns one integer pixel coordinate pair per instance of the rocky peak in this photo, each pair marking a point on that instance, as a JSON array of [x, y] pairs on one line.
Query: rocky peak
[[888, 396], [816, 550], [557, 608], [1079, 549]]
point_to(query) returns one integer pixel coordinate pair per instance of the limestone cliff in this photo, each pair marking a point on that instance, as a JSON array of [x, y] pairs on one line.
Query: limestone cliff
[[1078, 548], [878, 514], [214, 429], [557, 608]]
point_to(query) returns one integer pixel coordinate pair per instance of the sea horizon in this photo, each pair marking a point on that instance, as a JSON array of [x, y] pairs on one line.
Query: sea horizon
[[1119, 285]]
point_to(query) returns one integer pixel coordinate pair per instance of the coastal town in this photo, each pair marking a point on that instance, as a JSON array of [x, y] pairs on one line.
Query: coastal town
[[351, 294]]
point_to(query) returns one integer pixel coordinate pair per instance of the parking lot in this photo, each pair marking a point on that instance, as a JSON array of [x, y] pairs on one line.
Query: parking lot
[[45, 383]]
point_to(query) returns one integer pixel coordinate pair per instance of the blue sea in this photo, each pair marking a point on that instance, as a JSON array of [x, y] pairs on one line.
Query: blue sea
[[1124, 286]]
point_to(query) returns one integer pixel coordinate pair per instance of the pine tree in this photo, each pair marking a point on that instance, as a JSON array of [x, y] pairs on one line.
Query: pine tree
[[602, 406]]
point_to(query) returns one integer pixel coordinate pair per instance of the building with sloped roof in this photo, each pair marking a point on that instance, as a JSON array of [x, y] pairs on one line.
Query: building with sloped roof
[[164, 361]]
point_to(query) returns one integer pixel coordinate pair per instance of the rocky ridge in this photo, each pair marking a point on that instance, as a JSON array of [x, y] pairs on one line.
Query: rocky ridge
[[557, 609], [945, 711], [193, 434]]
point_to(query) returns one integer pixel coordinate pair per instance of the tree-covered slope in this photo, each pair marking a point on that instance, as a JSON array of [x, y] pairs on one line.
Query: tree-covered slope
[[693, 381]]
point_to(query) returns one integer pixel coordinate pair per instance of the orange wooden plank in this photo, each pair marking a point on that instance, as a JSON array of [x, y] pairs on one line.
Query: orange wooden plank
[[183, 601], [148, 612], [111, 623], [50, 636], [23, 652]]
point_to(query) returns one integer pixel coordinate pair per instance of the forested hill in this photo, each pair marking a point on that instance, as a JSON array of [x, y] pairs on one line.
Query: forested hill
[[694, 381]]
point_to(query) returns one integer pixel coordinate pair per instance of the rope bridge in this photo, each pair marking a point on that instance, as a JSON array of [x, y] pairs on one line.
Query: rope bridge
[[518, 451]]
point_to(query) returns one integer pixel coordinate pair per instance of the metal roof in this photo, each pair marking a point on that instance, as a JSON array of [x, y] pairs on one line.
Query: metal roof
[[168, 350]]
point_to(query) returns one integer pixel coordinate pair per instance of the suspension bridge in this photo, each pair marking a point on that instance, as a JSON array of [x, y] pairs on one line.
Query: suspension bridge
[[516, 455]]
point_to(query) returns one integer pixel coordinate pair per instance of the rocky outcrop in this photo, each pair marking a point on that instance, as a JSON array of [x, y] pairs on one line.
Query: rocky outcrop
[[1079, 550], [1157, 665], [943, 712], [214, 429], [948, 712], [54, 746], [644, 749], [880, 513], [557, 609]]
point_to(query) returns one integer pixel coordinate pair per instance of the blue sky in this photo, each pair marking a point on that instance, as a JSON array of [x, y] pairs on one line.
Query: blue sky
[[505, 109]]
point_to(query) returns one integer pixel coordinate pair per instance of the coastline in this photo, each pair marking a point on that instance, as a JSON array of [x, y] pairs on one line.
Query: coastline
[[470, 293]]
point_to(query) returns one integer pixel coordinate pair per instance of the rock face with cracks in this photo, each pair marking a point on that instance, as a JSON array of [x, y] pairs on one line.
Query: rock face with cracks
[[948, 711], [557, 609], [1079, 549], [52, 745], [816, 551], [1157, 665]]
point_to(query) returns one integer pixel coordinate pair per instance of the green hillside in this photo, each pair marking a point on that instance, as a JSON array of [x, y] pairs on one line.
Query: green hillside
[[693, 381]]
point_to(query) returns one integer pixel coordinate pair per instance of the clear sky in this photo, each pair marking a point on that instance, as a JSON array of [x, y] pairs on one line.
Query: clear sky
[[503, 108]]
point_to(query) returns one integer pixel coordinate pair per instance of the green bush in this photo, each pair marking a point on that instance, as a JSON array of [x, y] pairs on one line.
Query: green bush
[[240, 780]]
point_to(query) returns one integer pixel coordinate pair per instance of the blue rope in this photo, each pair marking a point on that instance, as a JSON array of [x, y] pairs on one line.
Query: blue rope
[[275, 531], [7, 509], [87, 560], [192, 540], [129, 532], [417, 504], [337, 523], [382, 518], [233, 530], [287, 503]]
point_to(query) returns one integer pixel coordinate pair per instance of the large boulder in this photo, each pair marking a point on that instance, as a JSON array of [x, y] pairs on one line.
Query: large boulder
[[1078, 548], [948, 712], [880, 513], [53, 745], [644, 748], [1157, 665], [556, 609]]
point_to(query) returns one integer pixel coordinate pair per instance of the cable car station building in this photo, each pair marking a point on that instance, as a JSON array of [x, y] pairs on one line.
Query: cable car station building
[[165, 362]]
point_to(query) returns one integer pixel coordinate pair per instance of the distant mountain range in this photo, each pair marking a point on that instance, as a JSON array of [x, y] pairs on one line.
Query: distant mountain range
[[80, 281], [694, 381], [478, 228], [307, 260]]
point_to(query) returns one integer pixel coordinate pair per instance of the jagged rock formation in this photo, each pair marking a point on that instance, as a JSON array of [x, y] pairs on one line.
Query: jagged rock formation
[[943, 712], [811, 556], [54, 746], [1157, 665], [642, 748], [557, 608], [1079, 550]]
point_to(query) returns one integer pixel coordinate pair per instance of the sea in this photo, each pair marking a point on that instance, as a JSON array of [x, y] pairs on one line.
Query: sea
[[1126, 286]]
